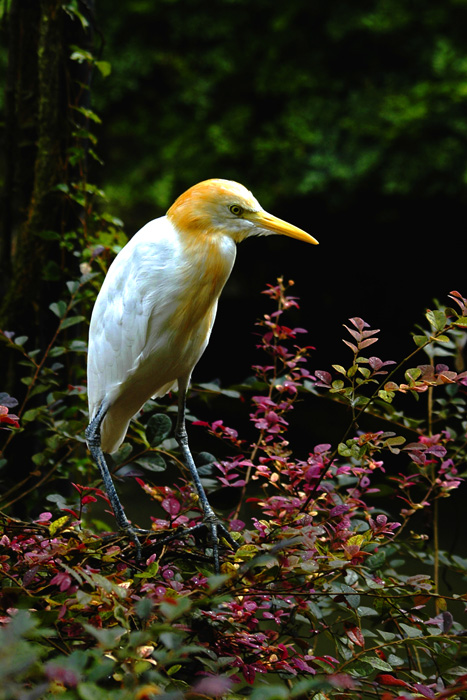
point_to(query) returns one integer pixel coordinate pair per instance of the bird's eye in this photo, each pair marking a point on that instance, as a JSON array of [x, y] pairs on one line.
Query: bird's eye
[[236, 210]]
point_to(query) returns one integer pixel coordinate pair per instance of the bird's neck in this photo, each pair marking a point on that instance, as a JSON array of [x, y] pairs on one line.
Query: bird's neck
[[210, 258], [205, 265], [208, 251]]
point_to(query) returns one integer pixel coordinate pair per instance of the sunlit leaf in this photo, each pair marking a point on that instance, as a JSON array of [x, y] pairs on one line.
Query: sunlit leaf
[[378, 663], [437, 319]]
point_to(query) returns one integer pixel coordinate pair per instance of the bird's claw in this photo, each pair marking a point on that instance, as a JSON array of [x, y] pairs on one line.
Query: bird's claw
[[132, 533], [215, 529]]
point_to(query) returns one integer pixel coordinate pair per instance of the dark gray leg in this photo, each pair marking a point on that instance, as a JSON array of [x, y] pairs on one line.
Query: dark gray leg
[[210, 520], [93, 437]]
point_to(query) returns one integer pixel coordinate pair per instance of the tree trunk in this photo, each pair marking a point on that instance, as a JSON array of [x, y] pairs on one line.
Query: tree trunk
[[42, 87], [38, 131]]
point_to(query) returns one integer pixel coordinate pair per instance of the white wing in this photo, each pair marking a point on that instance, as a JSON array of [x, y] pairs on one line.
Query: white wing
[[150, 324]]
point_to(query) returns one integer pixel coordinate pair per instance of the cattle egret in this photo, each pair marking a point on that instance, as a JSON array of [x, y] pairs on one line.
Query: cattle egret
[[153, 317]]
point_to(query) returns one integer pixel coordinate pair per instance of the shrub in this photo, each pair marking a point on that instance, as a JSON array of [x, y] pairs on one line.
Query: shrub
[[335, 589]]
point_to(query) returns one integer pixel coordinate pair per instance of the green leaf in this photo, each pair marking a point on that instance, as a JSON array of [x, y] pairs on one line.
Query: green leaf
[[58, 308], [158, 428], [375, 561], [104, 68], [360, 668], [411, 631], [73, 286], [270, 692], [123, 453], [152, 462], [79, 54], [420, 340], [109, 637], [376, 662], [387, 636], [461, 321], [91, 691], [413, 374], [72, 9], [395, 660], [437, 319], [364, 611], [88, 113], [174, 669], [364, 371], [78, 346], [175, 608], [31, 414], [352, 598], [337, 384], [387, 396], [57, 351], [49, 235], [356, 539], [93, 154], [71, 321], [395, 441], [150, 572]]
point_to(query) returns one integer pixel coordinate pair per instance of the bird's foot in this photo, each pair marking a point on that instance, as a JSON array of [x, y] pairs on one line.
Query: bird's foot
[[131, 533], [214, 529]]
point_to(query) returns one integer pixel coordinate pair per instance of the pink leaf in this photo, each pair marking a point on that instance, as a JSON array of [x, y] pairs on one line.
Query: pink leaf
[[367, 342], [171, 505], [351, 346], [424, 690], [359, 323], [213, 686]]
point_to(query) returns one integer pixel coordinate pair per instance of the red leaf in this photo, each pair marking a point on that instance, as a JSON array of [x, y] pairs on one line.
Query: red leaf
[[8, 419], [88, 499], [387, 679], [171, 506], [72, 512], [249, 674], [355, 635]]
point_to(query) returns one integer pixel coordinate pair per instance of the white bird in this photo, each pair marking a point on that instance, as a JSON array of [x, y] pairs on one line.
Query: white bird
[[154, 314]]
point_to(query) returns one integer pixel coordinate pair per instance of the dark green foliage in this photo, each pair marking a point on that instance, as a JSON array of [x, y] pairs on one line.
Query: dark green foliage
[[298, 97]]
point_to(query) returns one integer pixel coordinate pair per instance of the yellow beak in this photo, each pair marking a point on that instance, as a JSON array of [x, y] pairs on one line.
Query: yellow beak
[[271, 223]]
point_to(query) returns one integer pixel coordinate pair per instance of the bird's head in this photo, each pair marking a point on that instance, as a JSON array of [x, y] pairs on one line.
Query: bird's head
[[224, 206]]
